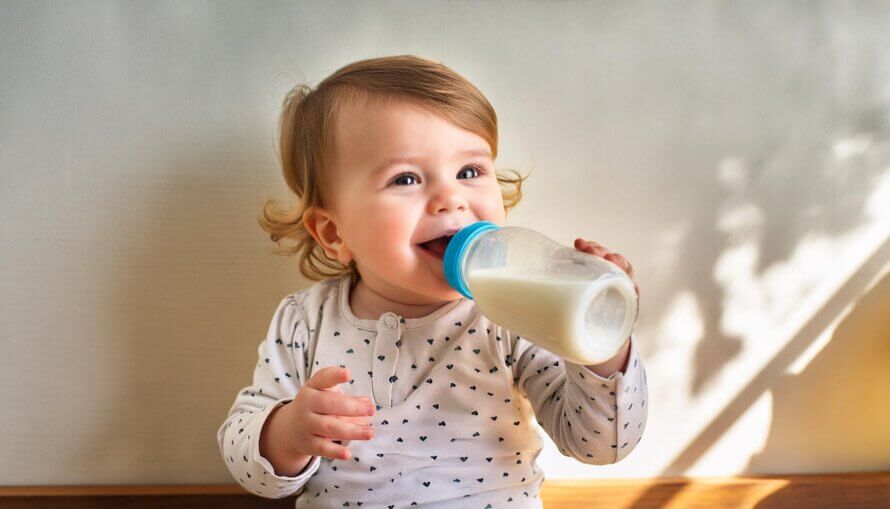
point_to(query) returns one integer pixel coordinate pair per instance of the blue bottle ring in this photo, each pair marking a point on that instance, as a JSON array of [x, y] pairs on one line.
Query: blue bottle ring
[[457, 248]]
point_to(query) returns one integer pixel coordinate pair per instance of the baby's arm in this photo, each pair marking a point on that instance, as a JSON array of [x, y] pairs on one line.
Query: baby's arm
[[618, 362], [279, 373], [594, 419]]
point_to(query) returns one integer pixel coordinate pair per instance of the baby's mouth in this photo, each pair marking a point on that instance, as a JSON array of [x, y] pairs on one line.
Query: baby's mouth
[[436, 246]]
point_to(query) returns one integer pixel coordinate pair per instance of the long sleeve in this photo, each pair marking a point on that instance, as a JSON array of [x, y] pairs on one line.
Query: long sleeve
[[593, 419], [279, 374]]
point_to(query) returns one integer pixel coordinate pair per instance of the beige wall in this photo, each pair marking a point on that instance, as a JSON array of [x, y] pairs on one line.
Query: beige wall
[[738, 154]]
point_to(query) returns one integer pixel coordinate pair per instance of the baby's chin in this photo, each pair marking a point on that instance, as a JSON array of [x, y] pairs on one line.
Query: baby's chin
[[452, 294], [443, 295], [441, 291], [421, 288]]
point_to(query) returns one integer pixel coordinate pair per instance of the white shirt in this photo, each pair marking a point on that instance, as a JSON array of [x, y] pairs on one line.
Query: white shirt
[[456, 396]]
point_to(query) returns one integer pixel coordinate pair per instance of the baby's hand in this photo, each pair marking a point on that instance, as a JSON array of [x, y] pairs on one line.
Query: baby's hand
[[321, 413], [595, 249]]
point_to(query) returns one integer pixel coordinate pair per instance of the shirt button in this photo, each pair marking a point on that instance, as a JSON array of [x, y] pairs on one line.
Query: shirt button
[[390, 320]]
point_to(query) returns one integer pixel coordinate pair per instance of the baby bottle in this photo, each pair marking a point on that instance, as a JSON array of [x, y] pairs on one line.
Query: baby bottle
[[576, 305]]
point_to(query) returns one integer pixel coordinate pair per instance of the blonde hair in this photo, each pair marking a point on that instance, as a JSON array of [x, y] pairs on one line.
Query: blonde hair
[[307, 140]]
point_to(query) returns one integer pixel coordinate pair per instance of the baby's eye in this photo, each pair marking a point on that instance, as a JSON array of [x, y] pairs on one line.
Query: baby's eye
[[406, 179], [478, 171]]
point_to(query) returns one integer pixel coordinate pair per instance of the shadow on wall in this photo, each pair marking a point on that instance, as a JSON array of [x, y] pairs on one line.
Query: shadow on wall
[[841, 399], [819, 145], [829, 418], [766, 206], [833, 416], [850, 373]]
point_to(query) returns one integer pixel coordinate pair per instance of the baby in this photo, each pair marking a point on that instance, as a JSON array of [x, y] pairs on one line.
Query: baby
[[380, 386]]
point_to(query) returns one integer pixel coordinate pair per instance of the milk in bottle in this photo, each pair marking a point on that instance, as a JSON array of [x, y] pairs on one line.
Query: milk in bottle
[[574, 304]]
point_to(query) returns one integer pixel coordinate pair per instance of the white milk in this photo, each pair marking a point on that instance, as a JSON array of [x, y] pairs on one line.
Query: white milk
[[579, 320]]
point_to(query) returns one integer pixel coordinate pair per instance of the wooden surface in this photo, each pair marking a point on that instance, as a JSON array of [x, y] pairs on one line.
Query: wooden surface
[[866, 490], [856, 490]]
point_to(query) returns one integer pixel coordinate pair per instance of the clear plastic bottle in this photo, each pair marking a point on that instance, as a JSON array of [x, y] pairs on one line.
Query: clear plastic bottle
[[576, 305]]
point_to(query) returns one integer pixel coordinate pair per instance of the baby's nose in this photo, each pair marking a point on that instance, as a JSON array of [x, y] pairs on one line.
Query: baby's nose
[[448, 202]]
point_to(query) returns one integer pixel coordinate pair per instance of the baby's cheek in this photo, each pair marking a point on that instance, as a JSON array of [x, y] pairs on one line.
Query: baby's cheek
[[494, 207], [386, 246]]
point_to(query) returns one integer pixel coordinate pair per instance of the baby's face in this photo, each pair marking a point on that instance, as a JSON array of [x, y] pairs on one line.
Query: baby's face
[[402, 177]]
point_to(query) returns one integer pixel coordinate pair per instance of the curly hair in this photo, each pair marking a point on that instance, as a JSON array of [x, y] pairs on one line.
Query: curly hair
[[306, 139]]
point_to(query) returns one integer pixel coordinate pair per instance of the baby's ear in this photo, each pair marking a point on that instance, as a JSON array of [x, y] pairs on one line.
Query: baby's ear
[[322, 225]]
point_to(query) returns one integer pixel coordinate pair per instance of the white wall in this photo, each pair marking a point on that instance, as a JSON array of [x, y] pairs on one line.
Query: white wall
[[737, 153]]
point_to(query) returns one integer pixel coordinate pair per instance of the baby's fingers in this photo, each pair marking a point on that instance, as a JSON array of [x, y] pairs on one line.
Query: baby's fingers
[[320, 446], [361, 419], [328, 426], [328, 377], [590, 247], [621, 262], [334, 403]]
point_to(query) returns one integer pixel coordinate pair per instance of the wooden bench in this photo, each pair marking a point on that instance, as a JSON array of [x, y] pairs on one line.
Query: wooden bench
[[843, 490]]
